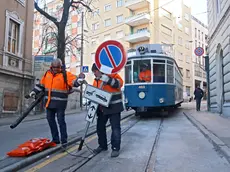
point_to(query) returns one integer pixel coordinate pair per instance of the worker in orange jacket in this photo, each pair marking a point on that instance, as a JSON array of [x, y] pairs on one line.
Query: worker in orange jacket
[[57, 84], [111, 83], [145, 74]]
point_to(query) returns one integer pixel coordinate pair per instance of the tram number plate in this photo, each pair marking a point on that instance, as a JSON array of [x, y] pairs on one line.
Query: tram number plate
[[142, 87]]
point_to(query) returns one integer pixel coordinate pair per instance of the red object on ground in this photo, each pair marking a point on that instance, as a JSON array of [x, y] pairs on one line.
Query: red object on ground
[[31, 146]]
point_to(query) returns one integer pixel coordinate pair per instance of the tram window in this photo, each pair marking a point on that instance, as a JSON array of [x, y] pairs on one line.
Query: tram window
[[158, 61], [142, 71], [170, 62], [128, 77], [159, 73], [170, 74]]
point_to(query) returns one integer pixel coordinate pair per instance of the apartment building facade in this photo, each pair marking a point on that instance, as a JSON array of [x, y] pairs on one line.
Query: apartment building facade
[[16, 76], [135, 22], [219, 55], [199, 37]]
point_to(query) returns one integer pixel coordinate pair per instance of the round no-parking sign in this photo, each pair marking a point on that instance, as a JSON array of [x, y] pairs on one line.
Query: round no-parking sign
[[199, 51], [110, 57]]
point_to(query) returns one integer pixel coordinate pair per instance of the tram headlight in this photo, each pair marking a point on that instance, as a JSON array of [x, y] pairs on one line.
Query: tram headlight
[[161, 100], [141, 95]]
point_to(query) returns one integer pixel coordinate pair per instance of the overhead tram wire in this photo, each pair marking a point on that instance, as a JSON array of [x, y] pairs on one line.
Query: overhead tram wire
[[130, 20]]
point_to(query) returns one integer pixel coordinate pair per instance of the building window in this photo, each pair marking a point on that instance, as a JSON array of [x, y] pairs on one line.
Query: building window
[[181, 70], [120, 19], [119, 3], [93, 56], [202, 36], [108, 7], [180, 27], [199, 34], [120, 34], [107, 22], [187, 59], [195, 32], [166, 30], [165, 13], [13, 40], [187, 30], [13, 37], [187, 45], [187, 73], [186, 16], [95, 13], [95, 26], [22, 2], [180, 42]]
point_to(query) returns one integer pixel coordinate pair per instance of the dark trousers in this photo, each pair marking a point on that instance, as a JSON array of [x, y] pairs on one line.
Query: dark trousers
[[116, 130], [53, 125], [198, 102]]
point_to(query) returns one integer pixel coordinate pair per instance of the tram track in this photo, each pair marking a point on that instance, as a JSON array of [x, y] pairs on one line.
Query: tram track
[[152, 158], [77, 166], [150, 164]]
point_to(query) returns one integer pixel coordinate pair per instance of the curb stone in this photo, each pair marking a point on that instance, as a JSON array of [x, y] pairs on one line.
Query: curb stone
[[218, 144]]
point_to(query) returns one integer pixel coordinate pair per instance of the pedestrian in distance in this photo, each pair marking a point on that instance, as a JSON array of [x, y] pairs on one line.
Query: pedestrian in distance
[[198, 96], [57, 84], [110, 83]]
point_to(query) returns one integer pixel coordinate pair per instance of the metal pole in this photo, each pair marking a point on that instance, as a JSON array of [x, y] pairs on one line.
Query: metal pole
[[82, 30], [208, 81]]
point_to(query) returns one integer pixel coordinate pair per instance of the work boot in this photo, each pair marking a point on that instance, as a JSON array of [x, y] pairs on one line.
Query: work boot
[[64, 146], [57, 142], [115, 153], [99, 149]]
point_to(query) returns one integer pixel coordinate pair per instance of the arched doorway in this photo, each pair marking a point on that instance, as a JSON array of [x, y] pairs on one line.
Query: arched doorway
[[219, 79]]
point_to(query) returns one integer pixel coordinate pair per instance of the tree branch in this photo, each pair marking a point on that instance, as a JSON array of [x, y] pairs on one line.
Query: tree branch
[[51, 18], [80, 2]]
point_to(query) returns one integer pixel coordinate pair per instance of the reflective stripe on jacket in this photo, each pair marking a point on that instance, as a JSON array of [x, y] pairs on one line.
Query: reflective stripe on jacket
[[56, 91], [113, 86]]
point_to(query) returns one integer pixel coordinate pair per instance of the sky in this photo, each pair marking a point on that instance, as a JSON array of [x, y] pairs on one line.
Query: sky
[[199, 6]]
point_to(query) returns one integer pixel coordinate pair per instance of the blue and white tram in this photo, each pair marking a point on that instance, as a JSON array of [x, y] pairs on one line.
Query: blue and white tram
[[165, 87]]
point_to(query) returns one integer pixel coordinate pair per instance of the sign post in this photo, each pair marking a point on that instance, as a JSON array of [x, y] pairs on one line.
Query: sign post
[[110, 58]]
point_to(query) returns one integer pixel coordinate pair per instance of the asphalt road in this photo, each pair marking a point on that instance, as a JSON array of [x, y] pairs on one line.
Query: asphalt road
[[10, 138], [178, 147]]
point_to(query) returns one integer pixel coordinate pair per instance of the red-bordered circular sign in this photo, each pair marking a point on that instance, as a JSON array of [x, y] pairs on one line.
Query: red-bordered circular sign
[[110, 57], [199, 51]]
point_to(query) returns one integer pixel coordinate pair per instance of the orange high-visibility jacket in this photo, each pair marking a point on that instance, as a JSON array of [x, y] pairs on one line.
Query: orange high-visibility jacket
[[56, 91], [113, 86], [145, 76]]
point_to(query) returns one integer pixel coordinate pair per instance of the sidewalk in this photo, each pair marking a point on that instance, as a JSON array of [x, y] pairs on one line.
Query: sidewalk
[[9, 120], [215, 127]]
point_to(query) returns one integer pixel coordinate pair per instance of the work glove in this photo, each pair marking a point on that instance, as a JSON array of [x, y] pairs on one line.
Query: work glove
[[80, 81], [104, 78], [32, 94]]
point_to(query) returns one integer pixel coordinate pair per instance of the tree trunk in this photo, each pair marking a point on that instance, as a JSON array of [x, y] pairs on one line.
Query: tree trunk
[[61, 43]]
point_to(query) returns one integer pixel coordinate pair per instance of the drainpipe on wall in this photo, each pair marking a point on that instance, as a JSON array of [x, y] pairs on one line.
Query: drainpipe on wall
[[208, 80]]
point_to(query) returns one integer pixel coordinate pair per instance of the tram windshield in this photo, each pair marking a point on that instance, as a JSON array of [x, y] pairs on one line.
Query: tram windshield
[[149, 70]]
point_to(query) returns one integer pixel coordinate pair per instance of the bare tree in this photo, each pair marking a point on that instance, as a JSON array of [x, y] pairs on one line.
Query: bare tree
[[63, 42]]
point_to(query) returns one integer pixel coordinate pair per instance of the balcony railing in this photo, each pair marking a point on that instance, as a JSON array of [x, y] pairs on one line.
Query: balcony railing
[[139, 19], [143, 35], [136, 4]]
